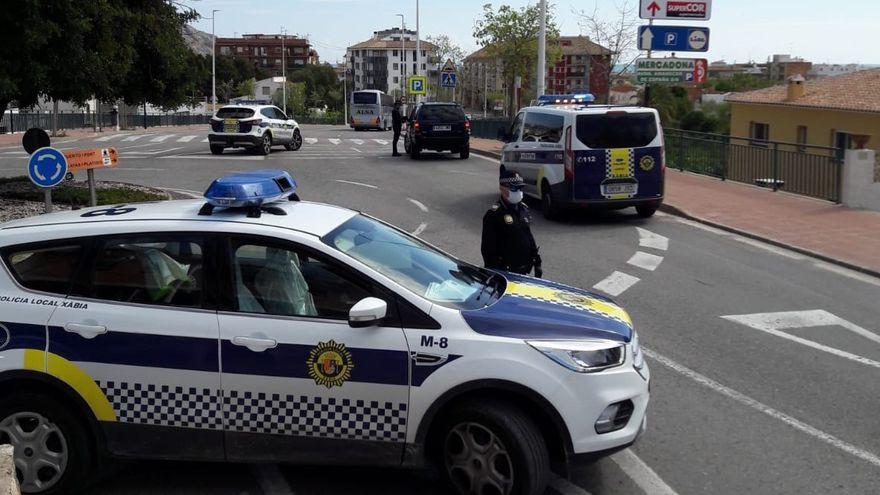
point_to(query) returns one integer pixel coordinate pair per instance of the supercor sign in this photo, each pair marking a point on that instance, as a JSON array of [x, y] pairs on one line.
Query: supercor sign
[[676, 9]]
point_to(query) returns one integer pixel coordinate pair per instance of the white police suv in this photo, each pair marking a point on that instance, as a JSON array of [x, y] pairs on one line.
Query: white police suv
[[255, 125], [257, 327], [574, 154]]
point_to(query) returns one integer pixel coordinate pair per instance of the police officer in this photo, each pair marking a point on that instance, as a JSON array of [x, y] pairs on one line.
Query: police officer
[[508, 243], [397, 119]]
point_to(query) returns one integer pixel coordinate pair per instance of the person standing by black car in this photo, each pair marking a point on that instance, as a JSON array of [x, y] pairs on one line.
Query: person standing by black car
[[507, 242], [397, 119]]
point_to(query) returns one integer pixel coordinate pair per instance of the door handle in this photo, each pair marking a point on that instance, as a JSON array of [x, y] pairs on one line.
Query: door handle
[[85, 331], [254, 344]]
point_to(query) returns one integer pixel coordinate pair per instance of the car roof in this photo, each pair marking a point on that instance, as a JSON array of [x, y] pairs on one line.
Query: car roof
[[589, 109], [316, 219], [245, 105]]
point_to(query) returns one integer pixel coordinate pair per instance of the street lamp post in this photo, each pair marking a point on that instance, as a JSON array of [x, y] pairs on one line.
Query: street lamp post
[[283, 74], [402, 57], [542, 50], [213, 63]]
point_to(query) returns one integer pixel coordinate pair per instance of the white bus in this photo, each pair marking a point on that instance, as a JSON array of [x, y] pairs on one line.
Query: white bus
[[371, 109]]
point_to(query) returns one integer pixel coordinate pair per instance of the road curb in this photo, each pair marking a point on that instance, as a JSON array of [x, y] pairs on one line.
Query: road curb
[[489, 154], [674, 210]]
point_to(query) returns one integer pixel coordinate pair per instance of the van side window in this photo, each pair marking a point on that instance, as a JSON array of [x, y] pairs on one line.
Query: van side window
[[516, 127], [543, 127], [47, 269]]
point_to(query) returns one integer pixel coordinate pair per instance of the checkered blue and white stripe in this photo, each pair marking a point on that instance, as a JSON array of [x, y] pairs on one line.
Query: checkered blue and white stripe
[[316, 416], [164, 405]]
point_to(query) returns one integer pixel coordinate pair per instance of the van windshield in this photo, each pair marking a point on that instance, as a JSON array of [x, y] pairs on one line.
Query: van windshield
[[617, 130]]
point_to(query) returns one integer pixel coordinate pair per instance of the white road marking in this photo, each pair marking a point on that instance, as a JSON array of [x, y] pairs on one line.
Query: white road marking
[[359, 151], [643, 476], [134, 146], [419, 204], [270, 479], [357, 183], [357, 141], [159, 139], [310, 140], [645, 261], [772, 323], [481, 157], [767, 247], [334, 141], [421, 228], [566, 487], [108, 138], [381, 141], [651, 240], [154, 151], [210, 157], [15, 152], [186, 192], [205, 140], [325, 157], [186, 139], [465, 172], [134, 137], [144, 169], [773, 413], [617, 283]]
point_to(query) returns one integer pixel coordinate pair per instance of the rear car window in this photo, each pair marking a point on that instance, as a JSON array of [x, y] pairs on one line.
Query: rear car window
[[616, 130], [46, 269], [364, 98], [235, 113], [543, 127], [441, 113]]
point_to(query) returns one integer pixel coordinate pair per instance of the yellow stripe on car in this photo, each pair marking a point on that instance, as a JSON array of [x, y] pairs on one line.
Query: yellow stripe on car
[[75, 377], [569, 299]]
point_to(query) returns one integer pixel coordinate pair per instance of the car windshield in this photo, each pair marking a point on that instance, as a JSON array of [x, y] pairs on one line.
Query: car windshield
[[443, 113], [617, 130], [415, 265], [235, 113]]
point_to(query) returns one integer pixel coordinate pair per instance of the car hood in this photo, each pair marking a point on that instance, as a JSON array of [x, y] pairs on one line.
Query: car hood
[[533, 308]]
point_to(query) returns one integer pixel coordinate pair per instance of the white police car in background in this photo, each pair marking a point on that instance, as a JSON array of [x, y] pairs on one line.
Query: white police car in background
[[573, 154], [341, 339], [255, 125]]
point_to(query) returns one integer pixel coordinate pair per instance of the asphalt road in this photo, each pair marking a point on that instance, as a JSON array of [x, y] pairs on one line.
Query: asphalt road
[[765, 362]]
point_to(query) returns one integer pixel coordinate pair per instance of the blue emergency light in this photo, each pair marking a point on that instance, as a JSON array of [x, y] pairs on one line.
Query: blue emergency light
[[252, 190], [575, 99]]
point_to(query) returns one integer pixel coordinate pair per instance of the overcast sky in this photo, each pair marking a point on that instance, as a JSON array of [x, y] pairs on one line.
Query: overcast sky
[[822, 31]]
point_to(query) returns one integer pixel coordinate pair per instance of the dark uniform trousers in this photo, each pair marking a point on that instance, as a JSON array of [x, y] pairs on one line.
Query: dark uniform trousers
[[507, 242]]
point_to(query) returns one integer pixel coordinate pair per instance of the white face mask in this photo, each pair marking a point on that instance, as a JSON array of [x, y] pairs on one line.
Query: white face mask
[[514, 197]]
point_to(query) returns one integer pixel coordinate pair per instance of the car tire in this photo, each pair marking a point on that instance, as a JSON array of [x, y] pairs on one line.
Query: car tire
[[646, 211], [514, 450], [465, 153], [217, 150], [265, 146], [548, 206], [414, 151], [406, 146], [296, 141], [66, 445]]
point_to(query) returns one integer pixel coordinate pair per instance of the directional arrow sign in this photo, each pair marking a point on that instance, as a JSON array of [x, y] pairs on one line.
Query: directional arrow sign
[[697, 10], [674, 38], [671, 70]]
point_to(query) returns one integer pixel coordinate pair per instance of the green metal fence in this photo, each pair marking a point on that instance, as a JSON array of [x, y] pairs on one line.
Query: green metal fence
[[798, 168], [487, 128]]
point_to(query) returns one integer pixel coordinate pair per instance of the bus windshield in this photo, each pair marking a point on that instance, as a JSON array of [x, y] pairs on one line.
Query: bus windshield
[[364, 98]]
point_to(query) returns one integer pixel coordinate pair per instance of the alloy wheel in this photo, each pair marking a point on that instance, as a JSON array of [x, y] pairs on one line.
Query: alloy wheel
[[477, 461], [41, 452]]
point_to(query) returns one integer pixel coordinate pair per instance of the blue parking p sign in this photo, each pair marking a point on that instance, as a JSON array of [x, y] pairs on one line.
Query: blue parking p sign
[[47, 167]]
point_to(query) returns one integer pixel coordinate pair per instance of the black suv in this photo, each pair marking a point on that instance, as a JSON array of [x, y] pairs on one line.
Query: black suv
[[439, 127]]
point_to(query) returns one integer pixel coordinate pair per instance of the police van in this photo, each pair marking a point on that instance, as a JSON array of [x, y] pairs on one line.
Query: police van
[[574, 154], [252, 326], [254, 125]]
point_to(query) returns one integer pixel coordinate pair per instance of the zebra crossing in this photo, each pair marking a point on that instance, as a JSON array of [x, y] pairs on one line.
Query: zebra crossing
[[186, 138]]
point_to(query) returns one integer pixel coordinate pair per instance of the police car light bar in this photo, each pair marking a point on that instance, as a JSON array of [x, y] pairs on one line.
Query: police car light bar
[[575, 99], [251, 190]]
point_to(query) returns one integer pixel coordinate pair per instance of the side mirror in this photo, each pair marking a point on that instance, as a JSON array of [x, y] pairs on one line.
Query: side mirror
[[367, 312]]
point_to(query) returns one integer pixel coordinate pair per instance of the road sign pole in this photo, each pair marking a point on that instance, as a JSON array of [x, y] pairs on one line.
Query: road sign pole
[[47, 197], [93, 194], [648, 85]]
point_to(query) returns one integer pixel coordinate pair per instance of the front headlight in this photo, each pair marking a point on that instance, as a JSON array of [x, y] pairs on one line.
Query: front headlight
[[638, 355], [583, 356]]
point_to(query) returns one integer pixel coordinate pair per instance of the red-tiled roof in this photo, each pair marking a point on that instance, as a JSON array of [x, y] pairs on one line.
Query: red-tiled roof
[[374, 43], [858, 91]]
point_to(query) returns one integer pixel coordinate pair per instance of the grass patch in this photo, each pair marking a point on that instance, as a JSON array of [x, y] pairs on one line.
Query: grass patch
[[75, 195]]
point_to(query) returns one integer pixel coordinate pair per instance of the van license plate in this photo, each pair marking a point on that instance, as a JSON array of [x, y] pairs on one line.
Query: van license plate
[[610, 189], [442, 127]]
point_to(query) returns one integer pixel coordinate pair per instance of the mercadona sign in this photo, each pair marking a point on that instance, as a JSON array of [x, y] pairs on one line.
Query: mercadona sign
[[671, 70]]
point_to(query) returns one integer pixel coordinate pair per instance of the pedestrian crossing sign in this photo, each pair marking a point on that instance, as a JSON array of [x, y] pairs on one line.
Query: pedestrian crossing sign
[[448, 79], [418, 85]]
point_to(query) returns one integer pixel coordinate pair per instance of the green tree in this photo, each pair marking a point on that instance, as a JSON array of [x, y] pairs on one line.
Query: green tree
[[296, 99], [245, 88], [447, 50], [511, 38], [322, 86], [671, 102]]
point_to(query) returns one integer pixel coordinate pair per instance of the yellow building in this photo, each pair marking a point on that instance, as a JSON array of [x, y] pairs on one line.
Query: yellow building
[[825, 112]]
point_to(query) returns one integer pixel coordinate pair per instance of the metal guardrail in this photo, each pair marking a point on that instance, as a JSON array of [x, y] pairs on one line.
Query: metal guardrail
[[797, 168]]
